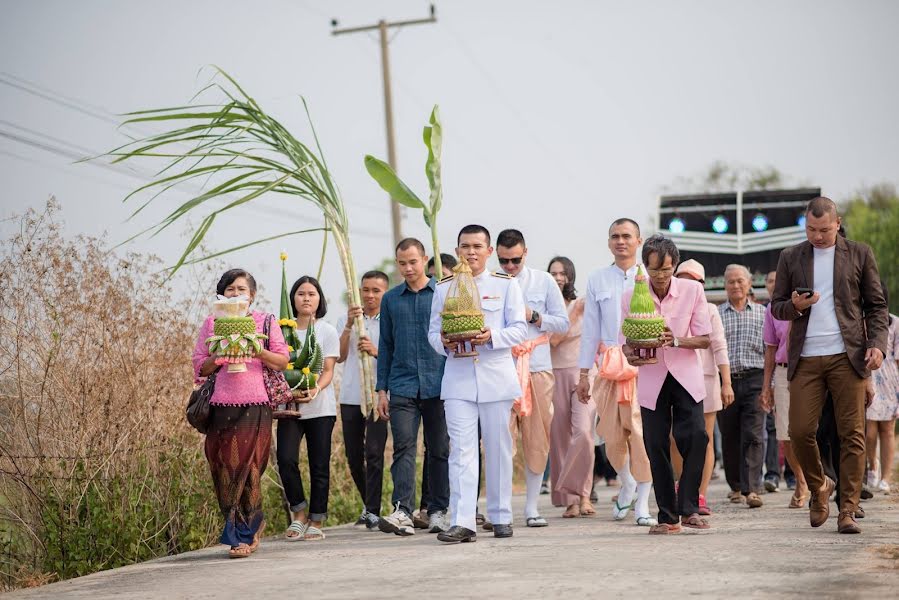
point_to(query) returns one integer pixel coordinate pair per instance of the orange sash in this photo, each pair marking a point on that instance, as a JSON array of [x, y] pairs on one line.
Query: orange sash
[[616, 368], [524, 405]]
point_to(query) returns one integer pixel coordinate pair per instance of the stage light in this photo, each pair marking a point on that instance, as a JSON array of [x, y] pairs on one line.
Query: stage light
[[720, 224], [801, 221], [676, 225], [760, 222]]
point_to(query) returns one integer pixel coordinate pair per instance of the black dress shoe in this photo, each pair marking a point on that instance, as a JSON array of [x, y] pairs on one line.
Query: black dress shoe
[[457, 534], [502, 531]]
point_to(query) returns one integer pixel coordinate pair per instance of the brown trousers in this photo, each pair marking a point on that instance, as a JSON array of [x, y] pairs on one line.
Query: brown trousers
[[814, 377]]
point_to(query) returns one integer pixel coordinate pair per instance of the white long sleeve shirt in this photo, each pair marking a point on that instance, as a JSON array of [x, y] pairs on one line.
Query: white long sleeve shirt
[[542, 293], [602, 310]]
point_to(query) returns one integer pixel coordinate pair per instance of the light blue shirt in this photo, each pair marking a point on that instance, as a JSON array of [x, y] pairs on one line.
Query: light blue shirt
[[602, 310]]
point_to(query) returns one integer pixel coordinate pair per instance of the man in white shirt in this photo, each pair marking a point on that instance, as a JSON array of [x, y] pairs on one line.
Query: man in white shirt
[[620, 425], [480, 390], [546, 314], [829, 288], [364, 436]]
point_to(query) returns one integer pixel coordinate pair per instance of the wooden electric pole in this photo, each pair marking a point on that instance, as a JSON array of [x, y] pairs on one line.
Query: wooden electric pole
[[383, 27]]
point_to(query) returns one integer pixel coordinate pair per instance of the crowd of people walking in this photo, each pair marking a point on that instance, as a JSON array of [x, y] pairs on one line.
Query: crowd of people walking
[[555, 376]]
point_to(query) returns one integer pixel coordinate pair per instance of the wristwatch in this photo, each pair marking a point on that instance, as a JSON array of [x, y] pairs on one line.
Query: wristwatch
[[675, 342], [535, 316]]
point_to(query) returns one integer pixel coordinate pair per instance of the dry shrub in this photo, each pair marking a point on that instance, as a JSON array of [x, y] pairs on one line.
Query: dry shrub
[[97, 465]]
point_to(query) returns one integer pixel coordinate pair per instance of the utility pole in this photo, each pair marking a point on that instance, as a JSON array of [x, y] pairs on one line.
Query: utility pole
[[383, 27]]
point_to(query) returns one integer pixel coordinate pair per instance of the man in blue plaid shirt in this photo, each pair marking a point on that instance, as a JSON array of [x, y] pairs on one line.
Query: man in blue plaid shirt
[[741, 423]]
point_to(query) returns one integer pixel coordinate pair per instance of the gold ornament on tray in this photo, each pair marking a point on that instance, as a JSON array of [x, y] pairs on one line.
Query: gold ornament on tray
[[643, 325], [462, 317]]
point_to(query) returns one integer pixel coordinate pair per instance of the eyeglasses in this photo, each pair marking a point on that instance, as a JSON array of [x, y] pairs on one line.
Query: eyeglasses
[[515, 261]]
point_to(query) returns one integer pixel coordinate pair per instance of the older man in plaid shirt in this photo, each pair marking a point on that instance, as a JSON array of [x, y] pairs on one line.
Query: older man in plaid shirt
[[741, 423]]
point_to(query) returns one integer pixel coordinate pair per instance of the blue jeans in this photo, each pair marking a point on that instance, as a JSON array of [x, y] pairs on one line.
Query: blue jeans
[[405, 416]]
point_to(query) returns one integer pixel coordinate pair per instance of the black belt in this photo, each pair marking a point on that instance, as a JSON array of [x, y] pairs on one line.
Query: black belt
[[745, 373], [783, 365]]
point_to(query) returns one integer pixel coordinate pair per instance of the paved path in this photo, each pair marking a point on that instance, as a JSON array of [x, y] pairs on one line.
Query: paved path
[[767, 552]]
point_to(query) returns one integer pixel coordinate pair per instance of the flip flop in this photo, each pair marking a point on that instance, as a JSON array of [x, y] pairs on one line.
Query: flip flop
[[297, 527], [587, 509], [621, 511], [239, 551], [537, 521], [573, 511], [799, 501]]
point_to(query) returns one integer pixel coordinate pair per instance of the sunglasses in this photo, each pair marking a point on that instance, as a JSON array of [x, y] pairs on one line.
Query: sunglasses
[[514, 261]]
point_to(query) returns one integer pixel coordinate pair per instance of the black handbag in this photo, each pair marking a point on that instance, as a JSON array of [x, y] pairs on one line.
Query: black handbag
[[198, 405]]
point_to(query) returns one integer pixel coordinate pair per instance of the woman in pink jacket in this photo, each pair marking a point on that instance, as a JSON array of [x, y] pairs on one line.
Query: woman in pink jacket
[[240, 422], [719, 392]]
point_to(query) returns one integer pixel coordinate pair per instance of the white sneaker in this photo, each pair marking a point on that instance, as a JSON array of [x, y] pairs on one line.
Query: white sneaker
[[439, 522], [871, 481], [398, 523], [883, 486]]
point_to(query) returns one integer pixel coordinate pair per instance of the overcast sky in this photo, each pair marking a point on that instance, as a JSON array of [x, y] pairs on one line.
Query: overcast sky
[[558, 116]]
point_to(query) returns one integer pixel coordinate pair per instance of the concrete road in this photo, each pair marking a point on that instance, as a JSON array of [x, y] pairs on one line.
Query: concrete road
[[766, 552]]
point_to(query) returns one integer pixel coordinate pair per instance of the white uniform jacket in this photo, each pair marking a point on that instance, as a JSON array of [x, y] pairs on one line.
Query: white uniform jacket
[[490, 376]]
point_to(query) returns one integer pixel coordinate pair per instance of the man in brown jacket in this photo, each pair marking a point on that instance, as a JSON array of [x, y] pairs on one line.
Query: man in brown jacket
[[838, 335]]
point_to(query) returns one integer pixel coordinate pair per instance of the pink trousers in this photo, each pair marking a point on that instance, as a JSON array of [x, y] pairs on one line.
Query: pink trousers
[[571, 447]]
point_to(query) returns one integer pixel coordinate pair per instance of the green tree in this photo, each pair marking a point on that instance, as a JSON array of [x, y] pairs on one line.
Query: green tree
[[871, 215], [721, 176]]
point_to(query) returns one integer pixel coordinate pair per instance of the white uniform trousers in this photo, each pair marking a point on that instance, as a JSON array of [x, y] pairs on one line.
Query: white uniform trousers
[[462, 425]]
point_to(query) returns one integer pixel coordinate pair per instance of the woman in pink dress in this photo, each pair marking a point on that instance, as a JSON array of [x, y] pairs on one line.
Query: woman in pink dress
[[718, 391], [240, 422], [571, 433]]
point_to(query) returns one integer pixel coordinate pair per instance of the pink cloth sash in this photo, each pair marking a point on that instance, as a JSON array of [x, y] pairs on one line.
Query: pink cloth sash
[[616, 368], [524, 405]]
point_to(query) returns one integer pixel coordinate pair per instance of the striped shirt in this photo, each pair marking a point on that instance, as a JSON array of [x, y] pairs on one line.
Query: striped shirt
[[743, 331]]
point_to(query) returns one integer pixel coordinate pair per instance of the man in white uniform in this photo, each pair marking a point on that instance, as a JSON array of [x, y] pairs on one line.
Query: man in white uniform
[[546, 314], [480, 388]]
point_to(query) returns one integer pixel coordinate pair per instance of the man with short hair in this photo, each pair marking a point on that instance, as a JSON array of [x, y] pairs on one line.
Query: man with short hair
[[620, 424], [410, 371], [741, 423], [364, 435], [776, 391], [480, 389], [672, 389], [546, 314], [447, 262], [829, 287]]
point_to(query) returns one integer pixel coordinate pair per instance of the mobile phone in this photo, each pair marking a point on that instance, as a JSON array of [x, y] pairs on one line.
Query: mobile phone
[[809, 292]]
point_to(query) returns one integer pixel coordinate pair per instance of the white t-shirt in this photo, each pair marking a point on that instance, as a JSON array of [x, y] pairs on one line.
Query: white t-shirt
[[823, 336], [350, 386], [324, 404]]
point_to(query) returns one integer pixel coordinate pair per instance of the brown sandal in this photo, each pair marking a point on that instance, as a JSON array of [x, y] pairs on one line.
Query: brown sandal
[[800, 501], [571, 512], [665, 529], [239, 551], [587, 509], [694, 521]]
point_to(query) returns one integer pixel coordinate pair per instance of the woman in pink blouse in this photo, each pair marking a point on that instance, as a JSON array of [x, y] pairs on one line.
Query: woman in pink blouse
[[718, 391], [240, 423], [571, 433]]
